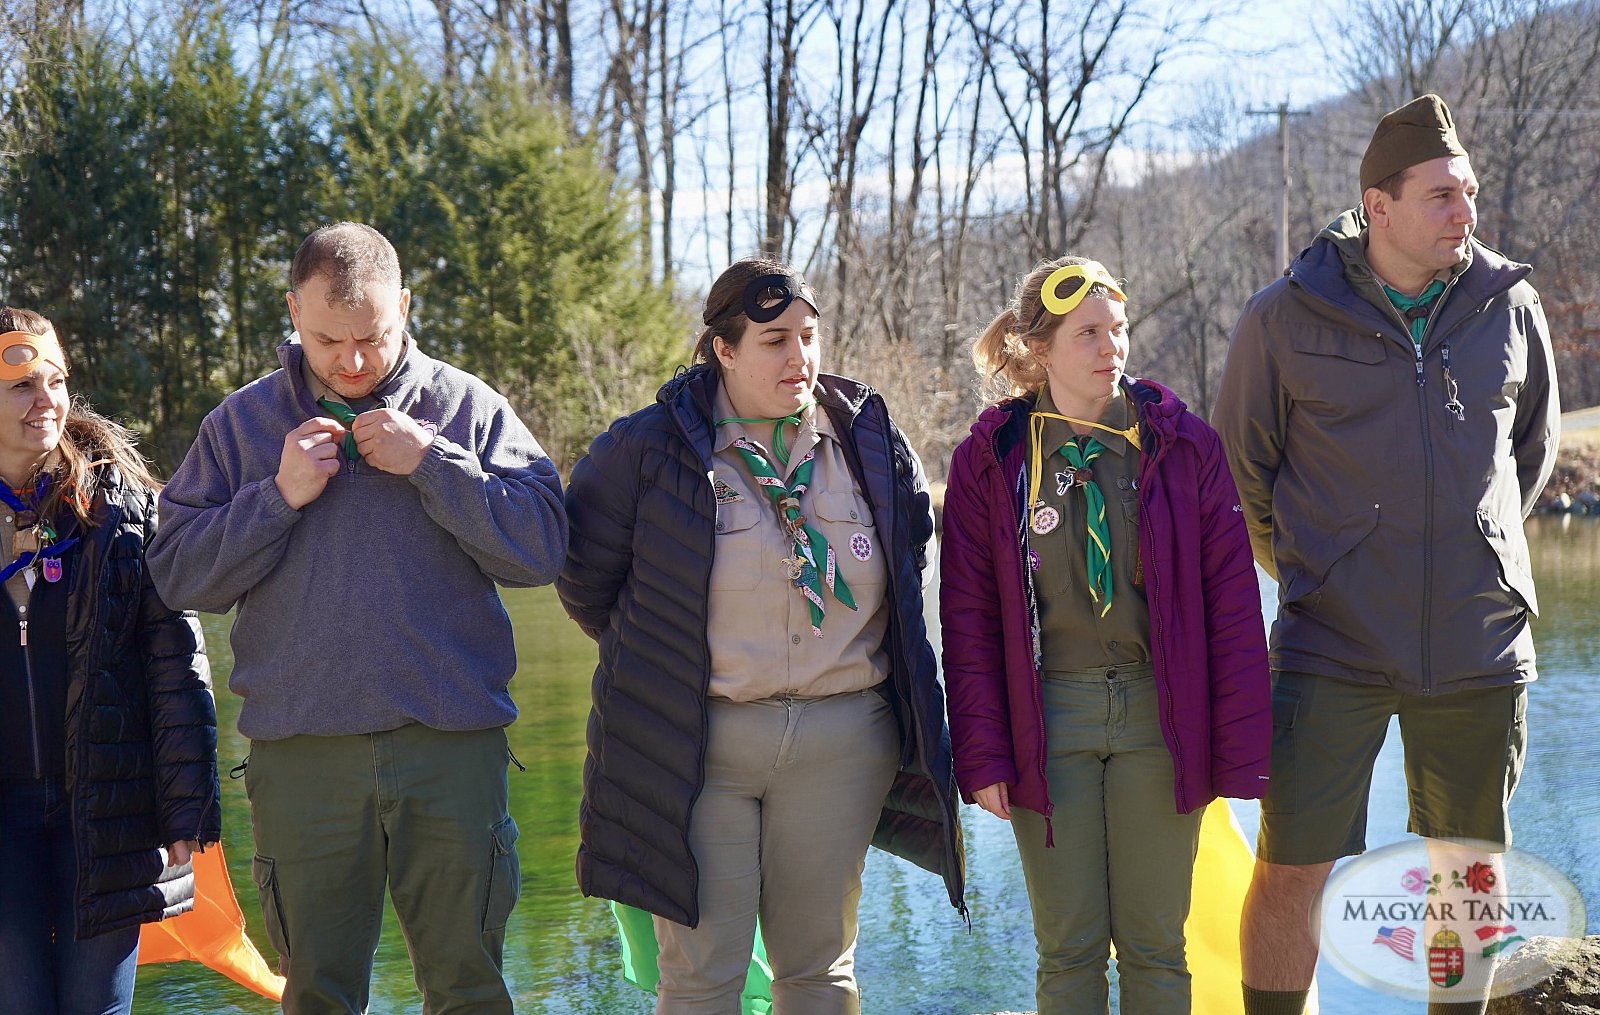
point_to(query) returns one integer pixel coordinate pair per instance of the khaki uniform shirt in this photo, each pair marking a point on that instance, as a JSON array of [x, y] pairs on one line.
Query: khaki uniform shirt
[[759, 625], [1073, 635]]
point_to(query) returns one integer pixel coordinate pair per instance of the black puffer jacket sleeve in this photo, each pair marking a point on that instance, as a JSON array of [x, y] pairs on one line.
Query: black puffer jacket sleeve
[[602, 503], [183, 715]]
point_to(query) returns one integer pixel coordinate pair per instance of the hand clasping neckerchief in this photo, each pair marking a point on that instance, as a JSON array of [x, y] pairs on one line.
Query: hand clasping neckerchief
[[1097, 539], [346, 416], [808, 577]]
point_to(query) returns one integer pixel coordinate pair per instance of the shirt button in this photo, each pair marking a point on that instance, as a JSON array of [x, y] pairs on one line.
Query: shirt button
[[795, 639], [1111, 644], [852, 516], [719, 526], [9, 518]]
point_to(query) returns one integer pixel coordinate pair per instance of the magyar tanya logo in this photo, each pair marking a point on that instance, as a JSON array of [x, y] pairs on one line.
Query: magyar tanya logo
[[1398, 922]]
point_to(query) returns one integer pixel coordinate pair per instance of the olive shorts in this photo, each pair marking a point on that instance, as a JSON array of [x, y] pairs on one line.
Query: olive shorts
[[1463, 756]]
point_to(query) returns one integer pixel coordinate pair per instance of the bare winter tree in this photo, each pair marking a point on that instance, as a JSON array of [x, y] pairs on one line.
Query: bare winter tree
[[1389, 51]]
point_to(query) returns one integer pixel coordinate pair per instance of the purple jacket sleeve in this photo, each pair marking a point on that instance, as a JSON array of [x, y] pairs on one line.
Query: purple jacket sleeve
[[1241, 696], [974, 646]]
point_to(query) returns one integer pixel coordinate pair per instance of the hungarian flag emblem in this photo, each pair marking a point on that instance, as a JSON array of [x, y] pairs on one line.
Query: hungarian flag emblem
[[1497, 939], [1446, 958]]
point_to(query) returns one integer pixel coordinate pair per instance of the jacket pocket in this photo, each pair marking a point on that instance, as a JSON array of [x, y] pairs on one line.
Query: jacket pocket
[[264, 871], [1341, 378], [1343, 343], [1308, 550], [1511, 553], [505, 876]]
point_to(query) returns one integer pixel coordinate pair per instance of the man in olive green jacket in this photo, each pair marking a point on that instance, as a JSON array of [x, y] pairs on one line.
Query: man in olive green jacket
[[1390, 414]]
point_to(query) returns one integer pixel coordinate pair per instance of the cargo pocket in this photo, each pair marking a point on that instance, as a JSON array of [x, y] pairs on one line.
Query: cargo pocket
[[264, 871], [1280, 798], [505, 876]]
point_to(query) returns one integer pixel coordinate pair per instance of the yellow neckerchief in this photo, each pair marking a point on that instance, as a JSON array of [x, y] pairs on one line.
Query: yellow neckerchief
[[1036, 420]]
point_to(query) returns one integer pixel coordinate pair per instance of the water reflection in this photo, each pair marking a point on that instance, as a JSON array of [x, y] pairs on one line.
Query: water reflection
[[915, 953]]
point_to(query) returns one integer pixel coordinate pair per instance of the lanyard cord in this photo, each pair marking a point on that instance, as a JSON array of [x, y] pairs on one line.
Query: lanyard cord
[[1036, 440], [779, 448]]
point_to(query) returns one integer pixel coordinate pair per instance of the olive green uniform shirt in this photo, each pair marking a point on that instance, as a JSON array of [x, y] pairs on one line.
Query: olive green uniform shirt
[[758, 623], [1073, 635]]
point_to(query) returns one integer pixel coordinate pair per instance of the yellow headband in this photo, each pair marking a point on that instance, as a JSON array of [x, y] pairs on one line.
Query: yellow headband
[[22, 351], [1093, 273]]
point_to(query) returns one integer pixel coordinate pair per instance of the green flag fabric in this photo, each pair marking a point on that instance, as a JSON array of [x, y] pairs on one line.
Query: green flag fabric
[[639, 951]]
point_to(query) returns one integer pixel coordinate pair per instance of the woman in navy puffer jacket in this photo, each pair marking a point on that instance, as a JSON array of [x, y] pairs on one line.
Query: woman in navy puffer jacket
[[108, 776]]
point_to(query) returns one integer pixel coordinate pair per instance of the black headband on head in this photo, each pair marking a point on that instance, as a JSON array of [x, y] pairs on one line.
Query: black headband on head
[[785, 289]]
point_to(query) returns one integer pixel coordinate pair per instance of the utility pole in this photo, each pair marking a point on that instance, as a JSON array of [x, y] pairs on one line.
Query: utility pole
[[1283, 112]]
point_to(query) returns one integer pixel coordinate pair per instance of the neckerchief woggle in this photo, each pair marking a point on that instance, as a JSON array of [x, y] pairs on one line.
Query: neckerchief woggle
[[50, 549], [346, 416], [808, 577], [1097, 539], [1415, 309]]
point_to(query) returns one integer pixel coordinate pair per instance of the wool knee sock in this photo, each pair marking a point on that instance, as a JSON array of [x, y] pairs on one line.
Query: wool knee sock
[[1275, 1002]]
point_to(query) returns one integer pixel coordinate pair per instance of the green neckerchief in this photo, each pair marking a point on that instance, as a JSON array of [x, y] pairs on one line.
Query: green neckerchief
[[1097, 540], [1418, 323], [346, 415], [809, 544]]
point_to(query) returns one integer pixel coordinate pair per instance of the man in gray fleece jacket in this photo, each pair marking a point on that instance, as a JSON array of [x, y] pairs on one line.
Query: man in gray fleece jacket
[[357, 508]]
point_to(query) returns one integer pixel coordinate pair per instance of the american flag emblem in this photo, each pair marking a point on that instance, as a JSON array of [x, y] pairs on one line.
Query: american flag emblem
[[1398, 940]]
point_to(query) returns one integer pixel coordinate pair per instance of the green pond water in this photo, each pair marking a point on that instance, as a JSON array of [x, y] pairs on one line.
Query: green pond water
[[915, 953]]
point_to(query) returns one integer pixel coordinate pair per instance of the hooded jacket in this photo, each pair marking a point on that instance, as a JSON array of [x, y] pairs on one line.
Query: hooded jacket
[[1389, 511], [1208, 644], [141, 725], [642, 511]]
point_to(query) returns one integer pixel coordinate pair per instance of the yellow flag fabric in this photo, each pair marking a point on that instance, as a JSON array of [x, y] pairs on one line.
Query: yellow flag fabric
[[1221, 877], [213, 933]]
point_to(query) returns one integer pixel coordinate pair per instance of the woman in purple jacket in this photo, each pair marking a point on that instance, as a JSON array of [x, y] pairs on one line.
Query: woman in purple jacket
[[1104, 652]]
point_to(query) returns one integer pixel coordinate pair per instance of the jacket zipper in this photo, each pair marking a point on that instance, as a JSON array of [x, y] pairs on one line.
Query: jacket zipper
[[900, 653], [1427, 524], [1158, 645], [1038, 687], [33, 700], [1426, 633]]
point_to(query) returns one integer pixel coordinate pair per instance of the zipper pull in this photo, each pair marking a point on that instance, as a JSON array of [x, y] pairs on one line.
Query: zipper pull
[[1418, 347], [22, 627]]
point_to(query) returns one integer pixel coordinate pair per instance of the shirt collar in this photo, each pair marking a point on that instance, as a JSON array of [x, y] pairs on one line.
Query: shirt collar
[[813, 420], [1057, 432]]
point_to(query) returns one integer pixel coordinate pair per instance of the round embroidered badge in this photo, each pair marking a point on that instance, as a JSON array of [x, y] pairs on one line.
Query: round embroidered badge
[[1033, 560], [1045, 519], [860, 547]]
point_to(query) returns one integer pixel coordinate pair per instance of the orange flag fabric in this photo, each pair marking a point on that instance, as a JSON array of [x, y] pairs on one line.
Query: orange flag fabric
[[213, 933]]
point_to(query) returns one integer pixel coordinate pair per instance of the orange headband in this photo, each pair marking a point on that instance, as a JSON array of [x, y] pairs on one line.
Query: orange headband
[[22, 351]]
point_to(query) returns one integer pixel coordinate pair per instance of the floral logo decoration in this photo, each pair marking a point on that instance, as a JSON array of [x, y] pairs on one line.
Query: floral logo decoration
[[1479, 877]]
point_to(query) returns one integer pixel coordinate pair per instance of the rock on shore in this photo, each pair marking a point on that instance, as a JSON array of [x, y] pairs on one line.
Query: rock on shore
[[1572, 986]]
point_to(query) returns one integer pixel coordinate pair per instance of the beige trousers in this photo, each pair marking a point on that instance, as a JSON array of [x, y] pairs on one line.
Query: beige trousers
[[792, 794]]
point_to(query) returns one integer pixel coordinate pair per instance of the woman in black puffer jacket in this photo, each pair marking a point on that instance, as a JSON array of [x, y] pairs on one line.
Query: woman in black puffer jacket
[[748, 553], [108, 776]]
